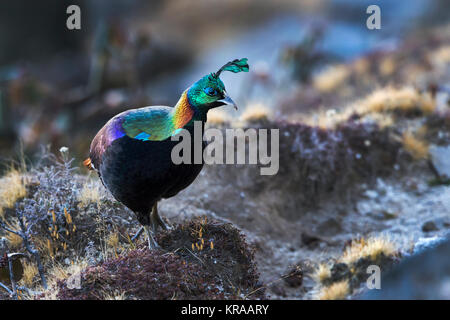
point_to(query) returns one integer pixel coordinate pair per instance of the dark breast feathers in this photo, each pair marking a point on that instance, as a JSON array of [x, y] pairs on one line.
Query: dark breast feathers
[[139, 173]]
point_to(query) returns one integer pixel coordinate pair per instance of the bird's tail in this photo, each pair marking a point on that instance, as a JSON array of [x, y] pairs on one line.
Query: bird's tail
[[88, 164]]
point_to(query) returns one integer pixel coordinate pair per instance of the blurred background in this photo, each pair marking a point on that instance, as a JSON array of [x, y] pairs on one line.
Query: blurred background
[[59, 86]]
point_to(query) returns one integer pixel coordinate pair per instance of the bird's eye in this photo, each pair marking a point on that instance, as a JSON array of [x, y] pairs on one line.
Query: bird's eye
[[210, 91]]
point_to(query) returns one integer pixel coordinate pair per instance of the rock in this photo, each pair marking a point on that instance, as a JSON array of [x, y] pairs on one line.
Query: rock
[[426, 243], [330, 227], [440, 158], [309, 240], [429, 226], [383, 214], [278, 290], [294, 278]]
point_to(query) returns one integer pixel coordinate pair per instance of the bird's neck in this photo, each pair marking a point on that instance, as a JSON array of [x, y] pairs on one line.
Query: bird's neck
[[183, 112]]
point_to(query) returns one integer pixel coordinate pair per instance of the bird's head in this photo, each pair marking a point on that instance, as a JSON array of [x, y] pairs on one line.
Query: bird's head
[[209, 92]]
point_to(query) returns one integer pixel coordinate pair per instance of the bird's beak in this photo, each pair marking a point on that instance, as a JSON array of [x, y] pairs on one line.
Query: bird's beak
[[227, 100]]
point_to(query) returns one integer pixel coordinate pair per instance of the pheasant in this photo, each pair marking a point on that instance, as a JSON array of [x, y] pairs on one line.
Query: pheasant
[[132, 152]]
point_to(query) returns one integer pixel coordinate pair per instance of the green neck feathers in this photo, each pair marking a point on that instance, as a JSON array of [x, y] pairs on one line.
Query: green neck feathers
[[156, 123]]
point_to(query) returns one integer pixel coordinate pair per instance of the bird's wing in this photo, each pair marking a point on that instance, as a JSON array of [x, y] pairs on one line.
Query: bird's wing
[[149, 123]]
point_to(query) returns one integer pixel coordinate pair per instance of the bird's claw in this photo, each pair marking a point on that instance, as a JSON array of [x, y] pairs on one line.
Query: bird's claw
[[156, 221], [165, 225], [152, 244]]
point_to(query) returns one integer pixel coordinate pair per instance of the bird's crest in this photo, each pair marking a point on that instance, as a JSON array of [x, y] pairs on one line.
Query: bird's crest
[[235, 66]]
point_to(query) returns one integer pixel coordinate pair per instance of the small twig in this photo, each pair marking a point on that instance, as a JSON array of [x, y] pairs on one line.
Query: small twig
[[40, 267], [195, 256], [3, 226], [6, 288], [29, 291], [11, 278]]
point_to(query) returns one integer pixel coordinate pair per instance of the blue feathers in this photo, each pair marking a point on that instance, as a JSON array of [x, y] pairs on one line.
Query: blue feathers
[[142, 136]]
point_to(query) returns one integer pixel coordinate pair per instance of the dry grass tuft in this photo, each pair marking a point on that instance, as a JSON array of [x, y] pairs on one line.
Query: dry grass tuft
[[113, 240], [14, 241], [90, 193], [361, 66], [371, 248], [44, 246], [325, 119], [390, 99], [384, 120], [256, 112], [336, 291], [12, 188], [387, 66], [59, 272], [30, 271], [112, 244], [441, 56], [322, 272], [116, 295], [331, 78], [415, 146], [381, 106]]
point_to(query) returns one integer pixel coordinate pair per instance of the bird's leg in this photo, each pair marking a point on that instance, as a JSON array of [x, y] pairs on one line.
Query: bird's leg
[[152, 244], [134, 238], [156, 219]]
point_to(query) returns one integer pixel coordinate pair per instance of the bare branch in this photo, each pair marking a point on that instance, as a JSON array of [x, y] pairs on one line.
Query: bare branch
[[11, 278], [3, 226], [6, 288]]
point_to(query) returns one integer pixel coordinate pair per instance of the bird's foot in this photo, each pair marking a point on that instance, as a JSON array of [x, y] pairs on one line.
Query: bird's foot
[[152, 244], [165, 225], [156, 222]]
